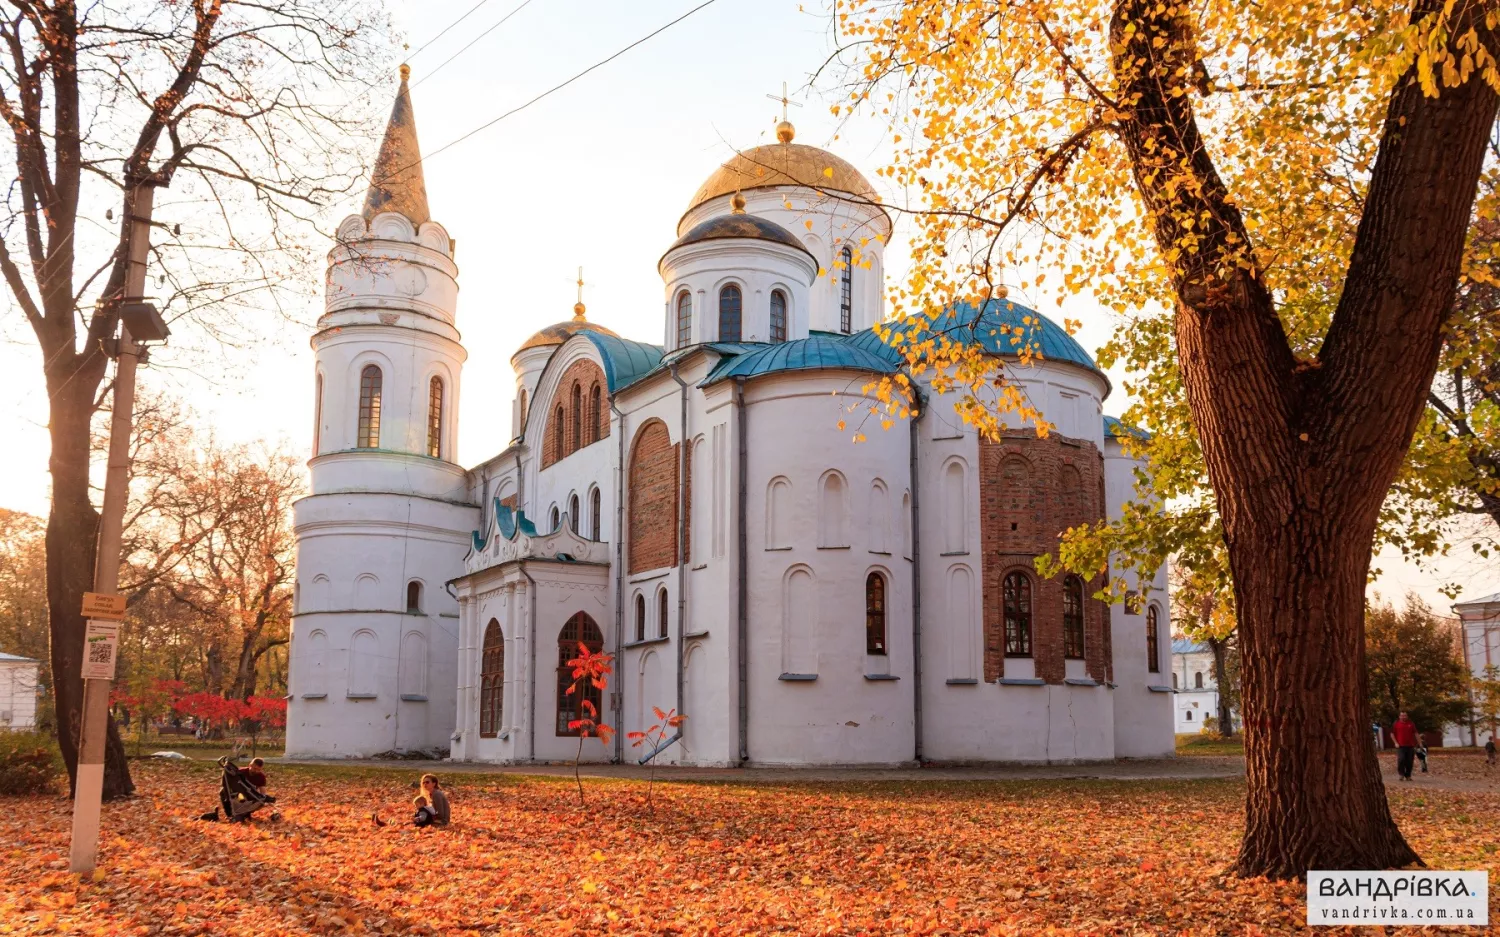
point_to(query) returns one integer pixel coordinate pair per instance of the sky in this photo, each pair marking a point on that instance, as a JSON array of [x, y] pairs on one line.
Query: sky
[[596, 175]]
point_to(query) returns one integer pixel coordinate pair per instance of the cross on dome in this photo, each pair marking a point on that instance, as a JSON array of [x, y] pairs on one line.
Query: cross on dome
[[578, 307], [785, 132]]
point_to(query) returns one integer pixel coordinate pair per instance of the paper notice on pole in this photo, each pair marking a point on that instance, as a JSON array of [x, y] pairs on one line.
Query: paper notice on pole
[[101, 647], [100, 605]]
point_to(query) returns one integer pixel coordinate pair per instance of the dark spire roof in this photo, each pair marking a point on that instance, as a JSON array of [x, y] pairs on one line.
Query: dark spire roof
[[396, 183]]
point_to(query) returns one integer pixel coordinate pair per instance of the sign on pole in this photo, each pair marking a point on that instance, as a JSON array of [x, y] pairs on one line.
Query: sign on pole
[[99, 605], [101, 645]]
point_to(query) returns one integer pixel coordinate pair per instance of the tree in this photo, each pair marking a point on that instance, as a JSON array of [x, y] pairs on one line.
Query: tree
[[232, 104], [1413, 667], [1205, 613], [1309, 250], [588, 670], [1487, 698]]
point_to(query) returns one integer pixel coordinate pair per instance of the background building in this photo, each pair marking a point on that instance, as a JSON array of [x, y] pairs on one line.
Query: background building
[[18, 692]]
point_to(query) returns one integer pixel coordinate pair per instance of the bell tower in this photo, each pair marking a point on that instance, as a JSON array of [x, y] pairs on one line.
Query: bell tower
[[387, 523]]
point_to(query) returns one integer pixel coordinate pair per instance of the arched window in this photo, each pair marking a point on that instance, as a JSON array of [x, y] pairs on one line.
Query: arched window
[[559, 423], [364, 656], [491, 681], [778, 316], [730, 304], [369, 408], [1153, 665], [1017, 615], [846, 291], [1198, 680], [640, 617], [414, 596], [580, 629], [594, 413], [1073, 618], [412, 667], [684, 319], [875, 614], [318, 415], [594, 514], [831, 527], [556, 519], [573, 514], [1189, 715], [435, 418], [577, 418], [661, 613], [1174, 680]]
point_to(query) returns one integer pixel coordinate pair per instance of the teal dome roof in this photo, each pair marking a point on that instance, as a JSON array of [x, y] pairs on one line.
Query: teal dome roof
[[994, 330], [625, 361], [814, 353]]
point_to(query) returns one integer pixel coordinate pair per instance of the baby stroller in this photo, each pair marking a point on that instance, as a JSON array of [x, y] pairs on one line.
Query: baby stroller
[[237, 795]]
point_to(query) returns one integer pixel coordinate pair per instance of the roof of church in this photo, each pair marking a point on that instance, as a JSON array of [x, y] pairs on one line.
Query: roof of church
[[816, 352], [995, 330], [625, 361], [1115, 428], [559, 332], [1185, 646], [783, 164], [739, 226], [396, 182]]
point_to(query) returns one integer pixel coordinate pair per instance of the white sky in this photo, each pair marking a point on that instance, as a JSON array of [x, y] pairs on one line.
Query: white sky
[[596, 175]]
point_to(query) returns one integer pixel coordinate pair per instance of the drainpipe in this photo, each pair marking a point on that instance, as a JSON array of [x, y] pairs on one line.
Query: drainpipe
[[531, 671], [916, 577], [743, 598], [619, 697]]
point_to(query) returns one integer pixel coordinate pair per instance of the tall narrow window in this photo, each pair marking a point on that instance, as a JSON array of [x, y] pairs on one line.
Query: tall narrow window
[[318, 415], [846, 292], [778, 316], [1073, 618], [559, 430], [730, 304], [523, 414], [1153, 663], [556, 519], [875, 614], [414, 597], [369, 408], [573, 514], [1174, 681], [661, 613], [1198, 680], [594, 514], [640, 617], [580, 629], [577, 418], [594, 412], [684, 319], [1017, 615], [491, 681], [435, 418]]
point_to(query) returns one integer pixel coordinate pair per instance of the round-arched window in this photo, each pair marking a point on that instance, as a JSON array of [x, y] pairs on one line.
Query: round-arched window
[[731, 305]]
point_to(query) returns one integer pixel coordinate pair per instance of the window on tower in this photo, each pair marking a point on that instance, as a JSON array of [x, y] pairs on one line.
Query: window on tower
[[435, 418], [1153, 658], [684, 319], [778, 316], [730, 308], [369, 408], [1073, 617], [318, 415], [875, 614], [414, 597], [1017, 615], [846, 291]]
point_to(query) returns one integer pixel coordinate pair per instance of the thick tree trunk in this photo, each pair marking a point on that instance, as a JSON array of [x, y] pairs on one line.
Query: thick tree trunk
[[1220, 647], [72, 526]]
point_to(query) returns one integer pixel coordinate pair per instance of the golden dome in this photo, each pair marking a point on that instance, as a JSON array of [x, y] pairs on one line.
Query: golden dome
[[559, 332], [785, 132], [783, 164]]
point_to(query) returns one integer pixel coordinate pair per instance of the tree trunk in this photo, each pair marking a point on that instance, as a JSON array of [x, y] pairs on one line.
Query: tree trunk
[[1220, 648], [72, 526]]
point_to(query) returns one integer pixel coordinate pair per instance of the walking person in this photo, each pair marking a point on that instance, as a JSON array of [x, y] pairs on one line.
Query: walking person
[[1405, 734], [1489, 753]]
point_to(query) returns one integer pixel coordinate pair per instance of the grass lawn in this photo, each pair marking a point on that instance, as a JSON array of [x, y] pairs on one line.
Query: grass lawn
[[1197, 743], [1086, 857]]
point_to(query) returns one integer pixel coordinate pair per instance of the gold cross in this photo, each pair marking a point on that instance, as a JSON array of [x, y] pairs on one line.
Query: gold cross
[[580, 284], [785, 101]]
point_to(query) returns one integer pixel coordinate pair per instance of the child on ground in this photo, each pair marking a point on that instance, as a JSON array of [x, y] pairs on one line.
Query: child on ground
[[424, 812]]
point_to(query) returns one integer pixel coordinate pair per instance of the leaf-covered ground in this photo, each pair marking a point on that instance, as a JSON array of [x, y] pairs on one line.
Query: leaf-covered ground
[[1023, 858]]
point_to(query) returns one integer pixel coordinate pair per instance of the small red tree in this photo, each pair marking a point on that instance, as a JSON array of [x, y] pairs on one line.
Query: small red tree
[[657, 736], [210, 709], [149, 700], [589, 669], [261, 712]]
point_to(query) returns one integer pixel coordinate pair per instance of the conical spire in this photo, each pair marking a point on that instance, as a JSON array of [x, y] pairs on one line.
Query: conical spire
[[396, 183]]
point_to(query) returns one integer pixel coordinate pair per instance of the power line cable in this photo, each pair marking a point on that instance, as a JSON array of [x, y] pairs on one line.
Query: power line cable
[[558, 87], [524, 5], [445, 30]]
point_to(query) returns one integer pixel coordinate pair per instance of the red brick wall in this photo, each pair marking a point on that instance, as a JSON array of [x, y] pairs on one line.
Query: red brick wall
[[584, 375], [652, 493], [1030, 491]]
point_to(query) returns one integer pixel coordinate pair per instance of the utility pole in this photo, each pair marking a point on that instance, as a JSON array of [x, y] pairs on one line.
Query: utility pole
[[139, 321]]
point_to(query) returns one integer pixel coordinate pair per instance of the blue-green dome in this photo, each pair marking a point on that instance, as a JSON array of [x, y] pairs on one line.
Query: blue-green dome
[[814, 353], [625, 361], [995, 331]]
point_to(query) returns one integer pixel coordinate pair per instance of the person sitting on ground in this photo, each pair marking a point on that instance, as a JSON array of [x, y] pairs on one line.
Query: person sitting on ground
[[437, 799], [424, 814], [256, 774]]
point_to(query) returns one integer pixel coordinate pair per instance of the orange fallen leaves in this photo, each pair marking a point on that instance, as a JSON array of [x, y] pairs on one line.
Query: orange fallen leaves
[[1074, 858]]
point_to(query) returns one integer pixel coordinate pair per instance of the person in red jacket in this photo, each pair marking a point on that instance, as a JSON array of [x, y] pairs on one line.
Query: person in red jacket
[[1405, 734]]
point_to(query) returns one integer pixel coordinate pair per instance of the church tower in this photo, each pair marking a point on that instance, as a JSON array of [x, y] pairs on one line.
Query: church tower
[[374, 636]]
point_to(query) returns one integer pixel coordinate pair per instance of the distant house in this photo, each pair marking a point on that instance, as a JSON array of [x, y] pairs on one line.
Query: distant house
[[18, 687], [1196, 691], [1479, 645]]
